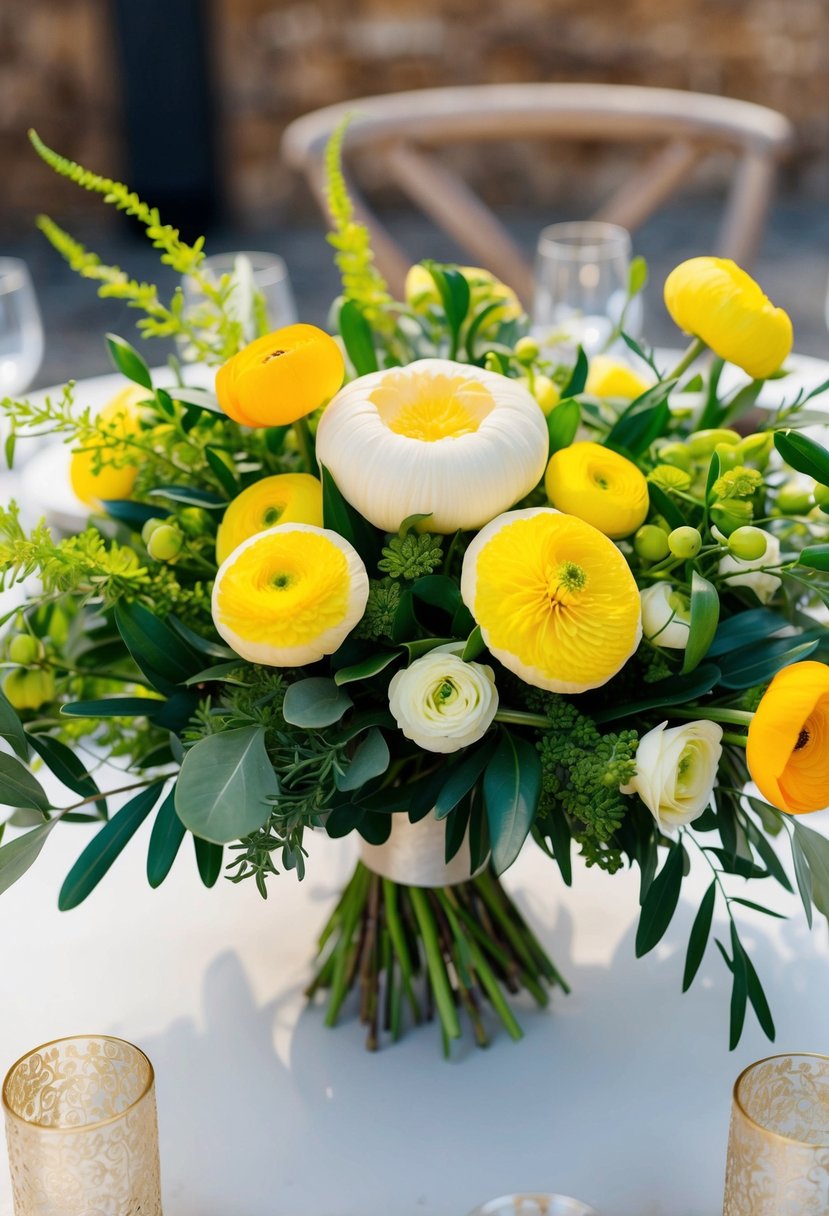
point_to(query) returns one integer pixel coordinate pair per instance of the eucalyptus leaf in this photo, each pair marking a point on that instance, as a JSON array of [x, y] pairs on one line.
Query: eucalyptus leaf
[[512, 788], [460, 779], [371, 759], [369, 667], [18, 787], [105, 847], [225, 785], [315, 702], [19, 854]]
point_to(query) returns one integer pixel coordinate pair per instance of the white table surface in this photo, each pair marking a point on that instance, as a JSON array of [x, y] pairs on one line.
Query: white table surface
[[618, 1095]]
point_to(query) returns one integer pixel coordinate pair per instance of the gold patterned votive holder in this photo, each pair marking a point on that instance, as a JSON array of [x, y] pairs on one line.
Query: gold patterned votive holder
[[778, 1146], [82, 1131]]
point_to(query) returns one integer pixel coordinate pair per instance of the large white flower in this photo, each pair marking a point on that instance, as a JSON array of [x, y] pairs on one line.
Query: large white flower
[[442, 703], [676, 770], [750, 573], [666, 616], [457, 441]]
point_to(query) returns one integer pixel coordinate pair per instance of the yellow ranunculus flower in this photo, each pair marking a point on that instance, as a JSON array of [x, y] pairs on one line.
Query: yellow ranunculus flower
[[289, 596], [554, 598], [599, 486], [713, 299], [457, 442], [121, 416], [484, 288], [609, 378], [286, 498], [788, 739], [280, 377]]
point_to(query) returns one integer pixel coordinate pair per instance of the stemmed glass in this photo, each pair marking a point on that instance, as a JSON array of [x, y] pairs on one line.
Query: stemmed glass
[[581, 276], [261, 298], [21, 329]]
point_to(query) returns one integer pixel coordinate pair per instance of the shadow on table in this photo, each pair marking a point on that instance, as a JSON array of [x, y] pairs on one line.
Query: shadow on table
[[622, 1089]]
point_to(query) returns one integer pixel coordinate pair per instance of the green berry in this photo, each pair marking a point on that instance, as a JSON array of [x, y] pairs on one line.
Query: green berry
[[526, 351], [822, 495], [545, 391], [150, 527], [703, 443], [756, 448], [676, 454], [685, 542], [24, 649], [165, 543], [29, 689], [651, 543], [794, 499], [749, 544]]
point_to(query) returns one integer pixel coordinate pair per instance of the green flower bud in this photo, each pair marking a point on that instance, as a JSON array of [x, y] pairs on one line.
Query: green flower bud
[[545, 391], [165, 543], [732, 513], [794, 499], [685, 542], [526, 351], [703, 443], [24, 649], [757, 448], [29, 689], [748, 543], [651, 543], [150, 527], [676, 454]]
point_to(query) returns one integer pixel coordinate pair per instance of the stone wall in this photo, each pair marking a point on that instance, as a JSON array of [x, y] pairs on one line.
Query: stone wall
[[274, 60]]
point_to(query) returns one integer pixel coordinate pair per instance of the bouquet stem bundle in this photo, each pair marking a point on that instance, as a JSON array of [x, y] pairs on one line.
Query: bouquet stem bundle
[[444, 950]]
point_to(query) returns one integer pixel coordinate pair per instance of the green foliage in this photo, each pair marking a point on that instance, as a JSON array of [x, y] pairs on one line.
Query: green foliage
[[739, 482], [381, 610], [412, 556]]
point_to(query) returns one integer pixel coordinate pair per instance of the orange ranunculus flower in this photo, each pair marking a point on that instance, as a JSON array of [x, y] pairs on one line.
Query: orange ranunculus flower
[[280, 377], [788, 740], [713, 299]]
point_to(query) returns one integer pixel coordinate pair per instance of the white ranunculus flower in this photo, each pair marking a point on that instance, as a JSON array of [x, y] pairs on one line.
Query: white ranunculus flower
[[676, 770], [743, 573], [666, 616], [442, 703], [458, 443]]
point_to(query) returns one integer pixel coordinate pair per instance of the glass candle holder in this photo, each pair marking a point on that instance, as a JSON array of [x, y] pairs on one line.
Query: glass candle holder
[[581, 275], [261, 298], [534, 1204], [81, 1130], [778, 1146]]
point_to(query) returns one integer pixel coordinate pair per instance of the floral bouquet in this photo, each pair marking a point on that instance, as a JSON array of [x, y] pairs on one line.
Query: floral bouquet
[[430, 582]]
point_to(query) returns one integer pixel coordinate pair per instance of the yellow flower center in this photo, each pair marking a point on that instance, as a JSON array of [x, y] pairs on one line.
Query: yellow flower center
[[554, 592], [427, 407], [286, 589]]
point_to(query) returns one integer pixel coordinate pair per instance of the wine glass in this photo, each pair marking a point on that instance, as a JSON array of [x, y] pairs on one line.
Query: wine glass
[[581, 277], [261, 298], [21, 329]]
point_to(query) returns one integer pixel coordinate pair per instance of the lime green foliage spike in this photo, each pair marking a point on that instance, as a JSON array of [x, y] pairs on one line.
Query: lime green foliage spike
[[362, 281]]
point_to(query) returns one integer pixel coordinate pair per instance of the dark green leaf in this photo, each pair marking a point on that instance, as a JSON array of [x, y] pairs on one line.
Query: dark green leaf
[[454, 293], [155, 648], [423, 646], [803, 454], [128, 361], [475, 327], [698, 940], [664, 505], [815, 848], [18, 787], [644, 420], [105, 847], [768, 856], [438, 590], [756, 665], [315, 702], [744, 629], [749, 903], [740, 866], [672, 691], [459, 780], [645, 356], [11, 728], [222, 672], [358, 338], [191, 496], [578, 376], [660, 902], [221, 472], [713, 475], [200, 645], [375, 828], [563, 422], [741, 402], [371, 759], [512, 787], [457, 823], [133, 514], [479, 845], [758, 999], [475, 645], [115, 707], [67, 767], [557, 830], [8, 448], [19, 854], [369, 667], [705, 613], [739, 989], [713, 412], [340, 516], [225, 785], [343, 819], [815, 556], [165, 841], [803, 876], [199, 397], [208, 860]]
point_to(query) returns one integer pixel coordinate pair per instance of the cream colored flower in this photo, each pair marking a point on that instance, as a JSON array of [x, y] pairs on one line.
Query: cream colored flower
[[457, 441], [676, 770], [289, 595], [442, 703], [750, 573], [666, 616]]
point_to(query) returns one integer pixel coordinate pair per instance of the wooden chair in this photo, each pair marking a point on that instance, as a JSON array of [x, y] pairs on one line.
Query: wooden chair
[[401, 130]]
